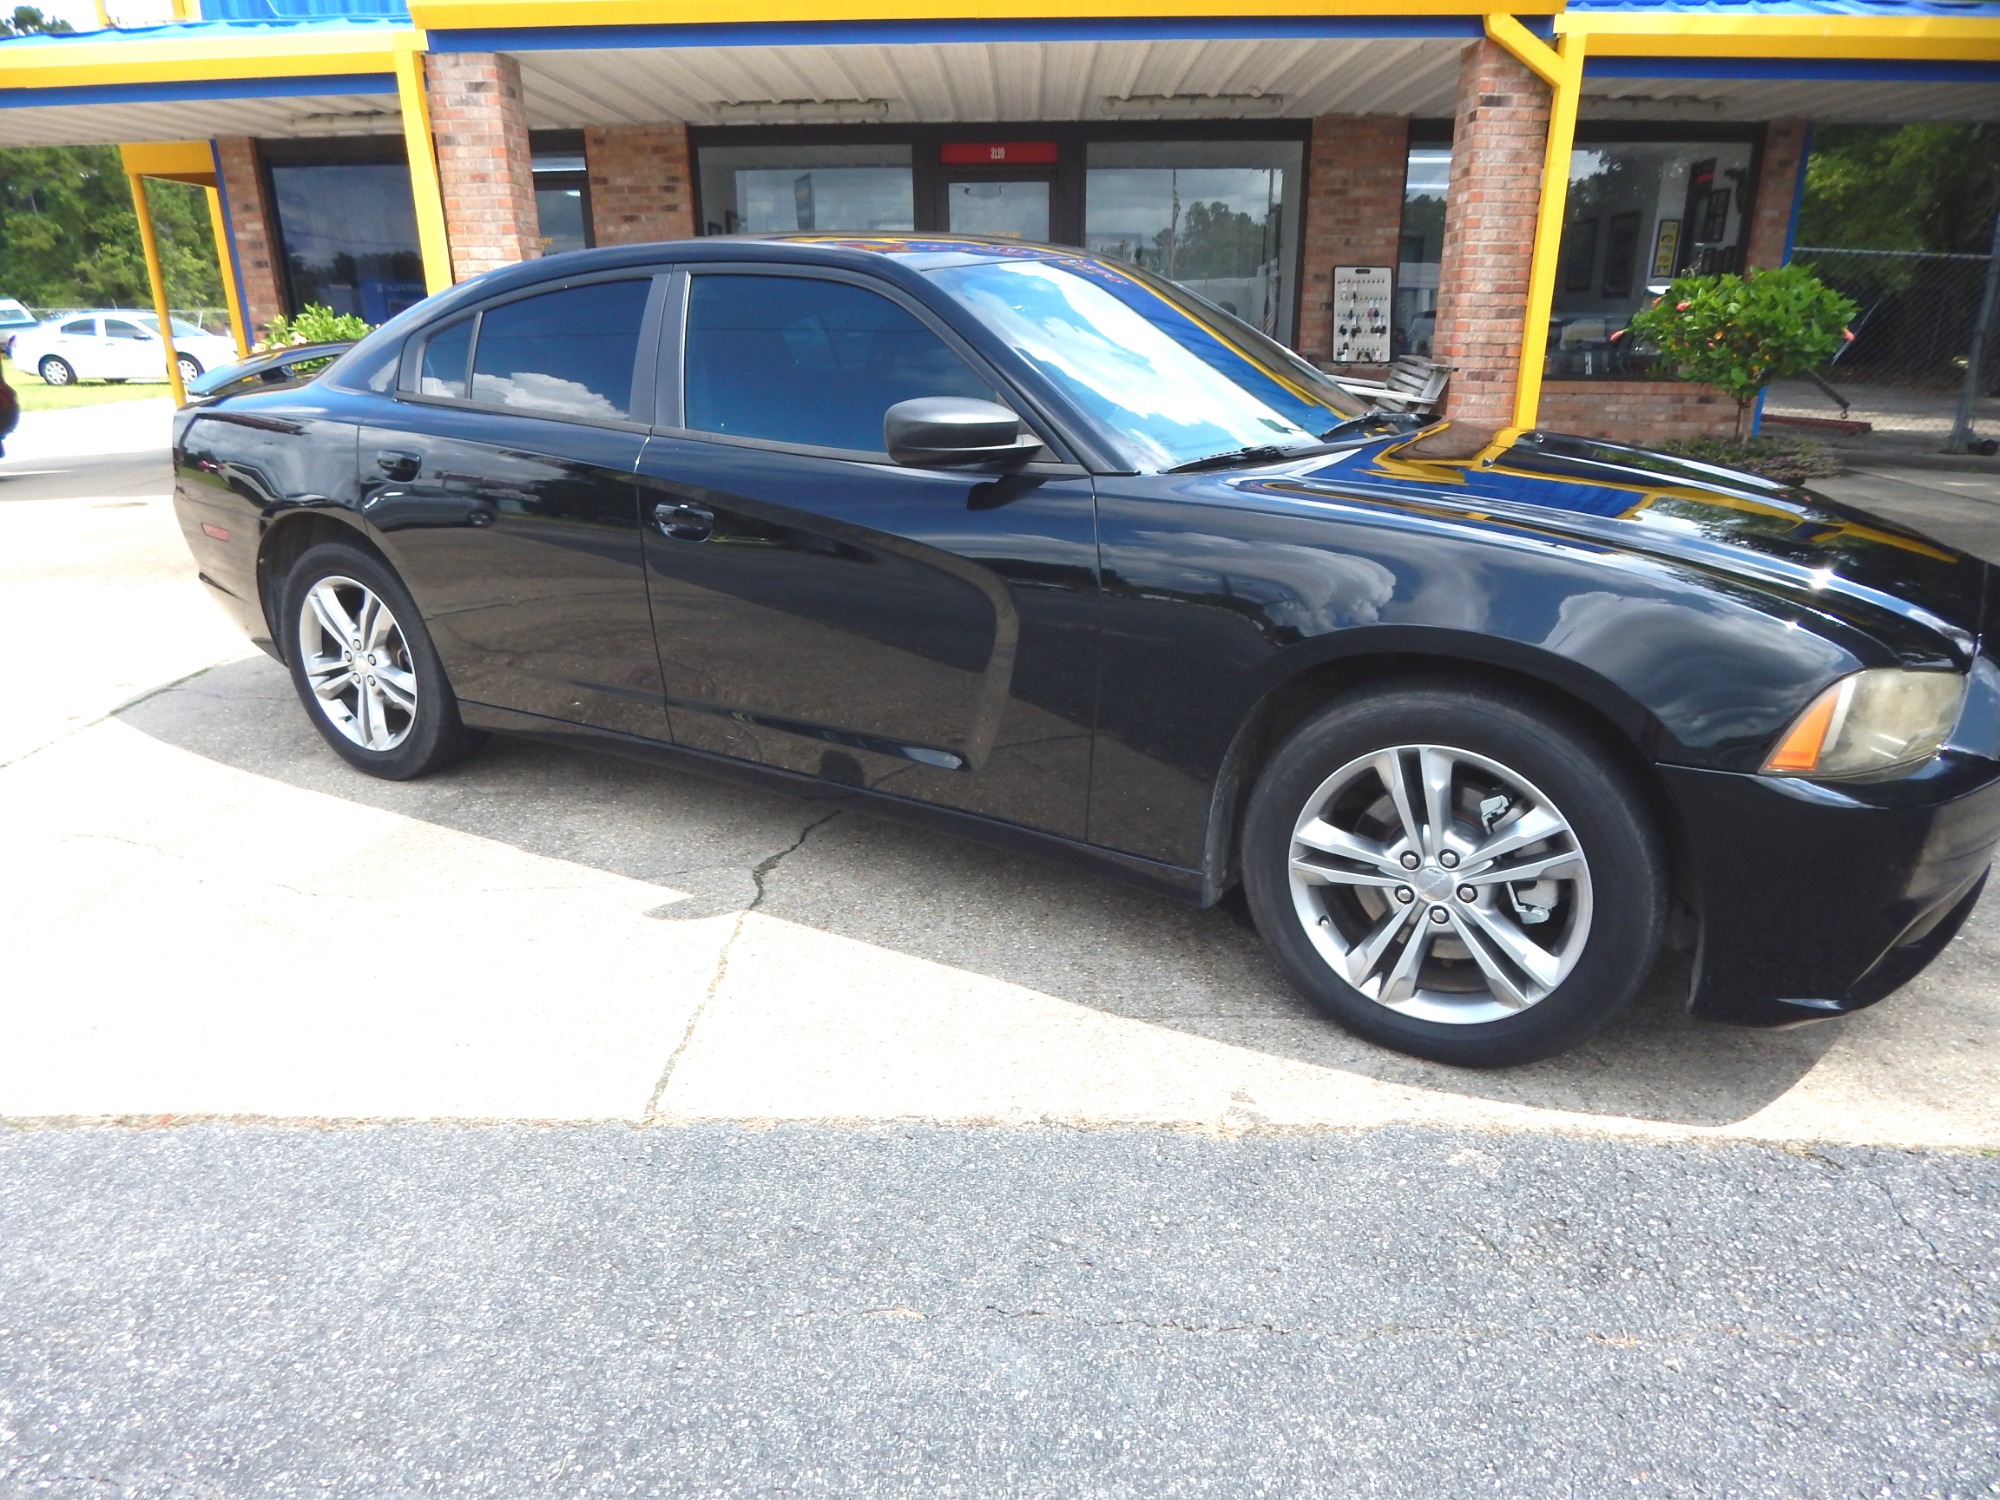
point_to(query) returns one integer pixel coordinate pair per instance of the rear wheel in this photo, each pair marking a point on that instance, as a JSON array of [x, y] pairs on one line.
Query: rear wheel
[[189, 366], [1455, 873], [56, 371], [364, 666]]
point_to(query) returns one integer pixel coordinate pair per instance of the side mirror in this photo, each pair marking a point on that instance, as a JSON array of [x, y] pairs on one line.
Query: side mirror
[[953, 432]]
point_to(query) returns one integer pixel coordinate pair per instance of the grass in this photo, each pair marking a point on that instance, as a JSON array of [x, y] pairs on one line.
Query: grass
[[37, 395]]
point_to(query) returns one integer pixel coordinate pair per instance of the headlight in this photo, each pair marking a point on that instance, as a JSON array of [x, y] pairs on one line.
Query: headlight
[[1881, 720]]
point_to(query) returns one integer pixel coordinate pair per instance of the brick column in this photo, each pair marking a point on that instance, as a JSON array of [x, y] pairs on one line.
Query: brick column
[[1777, 190], [641, 187], [251, 234], [1354, 211], [484, 169], [1502, 123]]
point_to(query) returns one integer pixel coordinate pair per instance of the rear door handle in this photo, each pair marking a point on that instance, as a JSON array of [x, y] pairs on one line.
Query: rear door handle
[[399, 465], [684, 523]]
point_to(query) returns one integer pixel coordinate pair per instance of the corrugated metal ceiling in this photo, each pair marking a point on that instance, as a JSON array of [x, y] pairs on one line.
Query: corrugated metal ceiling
[[200, 119], [992, 81]]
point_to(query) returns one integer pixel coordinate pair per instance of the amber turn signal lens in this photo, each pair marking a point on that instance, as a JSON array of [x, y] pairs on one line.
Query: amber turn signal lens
[[1799, 749]]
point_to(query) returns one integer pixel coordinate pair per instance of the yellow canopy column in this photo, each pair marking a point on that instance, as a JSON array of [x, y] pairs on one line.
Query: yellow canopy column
[[191, 162], [1561, 68], [425, 190]]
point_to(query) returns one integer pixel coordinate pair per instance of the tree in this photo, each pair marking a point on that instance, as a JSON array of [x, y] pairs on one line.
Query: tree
[[1740, 333], [1902, 187], [27, 21], [69, 237]]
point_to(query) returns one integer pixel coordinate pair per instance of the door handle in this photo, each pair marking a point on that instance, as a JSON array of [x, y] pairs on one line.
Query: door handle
[[684, 523], [399, 465]]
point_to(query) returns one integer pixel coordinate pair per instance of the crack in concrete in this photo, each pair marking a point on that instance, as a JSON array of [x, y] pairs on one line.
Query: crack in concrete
[[758, 876]]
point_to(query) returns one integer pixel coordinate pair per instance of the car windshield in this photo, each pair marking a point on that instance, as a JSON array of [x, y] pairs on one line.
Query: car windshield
[[1175, 377], [181, 327]]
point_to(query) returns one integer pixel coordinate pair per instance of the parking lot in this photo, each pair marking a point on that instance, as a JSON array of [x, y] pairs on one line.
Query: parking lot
[[658, 993]]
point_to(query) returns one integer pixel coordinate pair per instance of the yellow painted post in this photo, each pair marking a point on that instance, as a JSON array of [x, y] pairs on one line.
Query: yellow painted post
[[159, 284], [225, 259], [425, 190], [1566, 86]]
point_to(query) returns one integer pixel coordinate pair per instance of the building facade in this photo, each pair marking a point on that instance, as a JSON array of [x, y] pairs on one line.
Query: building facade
[[1497, 189]]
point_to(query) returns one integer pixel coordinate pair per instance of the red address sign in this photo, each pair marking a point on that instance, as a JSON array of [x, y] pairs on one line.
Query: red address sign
[[996, 153]]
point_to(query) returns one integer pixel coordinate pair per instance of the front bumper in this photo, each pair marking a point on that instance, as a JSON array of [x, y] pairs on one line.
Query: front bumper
[[1816, 901]]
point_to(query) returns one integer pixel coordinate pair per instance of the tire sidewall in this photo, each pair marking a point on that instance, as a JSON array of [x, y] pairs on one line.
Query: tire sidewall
[[67, 372], [1574, 768], [437, 734]]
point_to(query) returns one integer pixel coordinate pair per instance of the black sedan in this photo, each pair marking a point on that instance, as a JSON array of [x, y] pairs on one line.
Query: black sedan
[[1039, 547]]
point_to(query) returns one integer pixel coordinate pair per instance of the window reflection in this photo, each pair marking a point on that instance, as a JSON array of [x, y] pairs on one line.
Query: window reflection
[[350, 237], [793, 189], [1217, 216], [1420, 252], [1640, 214], [1172, 384]]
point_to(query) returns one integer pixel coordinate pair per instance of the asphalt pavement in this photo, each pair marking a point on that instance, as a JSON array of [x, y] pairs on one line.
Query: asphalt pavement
[[563, 1126]]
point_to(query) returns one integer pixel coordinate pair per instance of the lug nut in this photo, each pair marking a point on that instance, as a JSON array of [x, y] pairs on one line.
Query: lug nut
[[1467, 894], [1410, 860], [1448, 859], [1438, 914], [1405, 895]]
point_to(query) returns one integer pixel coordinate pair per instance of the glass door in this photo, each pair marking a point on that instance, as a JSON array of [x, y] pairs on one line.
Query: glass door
[[1016, 206]]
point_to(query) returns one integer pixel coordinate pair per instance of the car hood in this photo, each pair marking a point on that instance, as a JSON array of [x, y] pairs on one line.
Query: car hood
[[1832, 558]]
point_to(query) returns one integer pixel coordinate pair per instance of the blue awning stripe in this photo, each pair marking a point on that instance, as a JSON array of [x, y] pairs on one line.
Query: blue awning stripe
[[206, 88]]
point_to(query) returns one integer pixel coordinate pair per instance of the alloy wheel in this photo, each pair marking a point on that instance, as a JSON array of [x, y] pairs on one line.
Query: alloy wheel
[[358, 663], [1440, 884]]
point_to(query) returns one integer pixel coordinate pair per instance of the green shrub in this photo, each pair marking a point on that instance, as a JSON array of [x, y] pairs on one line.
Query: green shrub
[[1788, 460], [313, 325], [1740, 333]]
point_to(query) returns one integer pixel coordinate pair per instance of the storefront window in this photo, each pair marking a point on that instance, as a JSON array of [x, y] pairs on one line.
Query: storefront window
[[562, 204], [1220, 217], [1420, 253], [350, 236], [788, 189], [1640, 213]]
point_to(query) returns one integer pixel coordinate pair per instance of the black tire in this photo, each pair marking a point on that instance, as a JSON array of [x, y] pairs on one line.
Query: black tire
[[1608, 919], [425, 740], [55, 370]]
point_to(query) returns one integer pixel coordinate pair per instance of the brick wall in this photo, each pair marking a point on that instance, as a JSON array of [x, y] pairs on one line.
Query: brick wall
[[640, 184], [1777, 186], [1353, 213], [1502, 122], [1636, 411], [484, 168], [250, 227]]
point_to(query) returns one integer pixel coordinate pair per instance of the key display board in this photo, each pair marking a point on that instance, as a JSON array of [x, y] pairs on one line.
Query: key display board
[[1361, 315]]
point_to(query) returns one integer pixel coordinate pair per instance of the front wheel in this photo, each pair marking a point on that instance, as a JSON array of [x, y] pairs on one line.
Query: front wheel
[[55, 371], [364, 666], [1456, 873]]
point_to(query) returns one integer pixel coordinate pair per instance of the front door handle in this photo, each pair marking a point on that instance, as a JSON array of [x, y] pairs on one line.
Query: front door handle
[[684, 523], [399, 465]]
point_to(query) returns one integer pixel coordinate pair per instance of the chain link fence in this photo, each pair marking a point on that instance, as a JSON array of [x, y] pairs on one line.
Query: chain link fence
[[1900, 383]]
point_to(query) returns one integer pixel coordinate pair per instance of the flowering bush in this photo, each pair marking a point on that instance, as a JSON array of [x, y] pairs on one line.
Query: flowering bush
[[314, 325], [1740, 333]]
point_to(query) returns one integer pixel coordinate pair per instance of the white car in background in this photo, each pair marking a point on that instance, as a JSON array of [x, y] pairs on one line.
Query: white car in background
[[114, 343]]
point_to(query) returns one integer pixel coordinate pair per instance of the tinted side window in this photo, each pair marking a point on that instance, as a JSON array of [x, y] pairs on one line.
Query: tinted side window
[[800, 360], [86, 327], [114, 328], [568, 353], [441, 370]]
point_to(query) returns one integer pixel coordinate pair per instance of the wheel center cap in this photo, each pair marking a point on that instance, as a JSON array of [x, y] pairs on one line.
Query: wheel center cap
[[1433, 884]]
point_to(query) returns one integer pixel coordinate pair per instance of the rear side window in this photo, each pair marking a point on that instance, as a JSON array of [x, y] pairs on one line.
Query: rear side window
[[84, 327], [794, 359], [567, 353], [441, 371], [115, 328]]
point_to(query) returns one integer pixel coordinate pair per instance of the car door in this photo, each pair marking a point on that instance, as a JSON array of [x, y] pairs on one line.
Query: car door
[[818, 608], [77, 342], [501, 480], [129, 352]]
